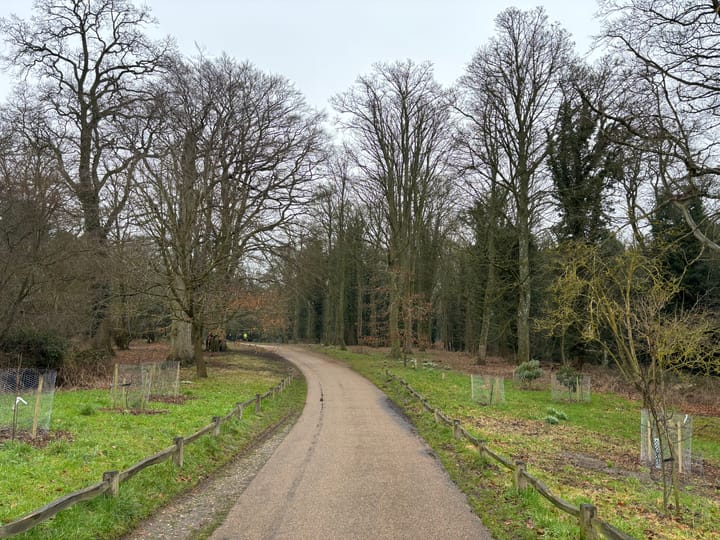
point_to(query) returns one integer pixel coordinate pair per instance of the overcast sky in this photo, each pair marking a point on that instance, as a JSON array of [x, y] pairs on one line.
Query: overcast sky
[[324, 45]]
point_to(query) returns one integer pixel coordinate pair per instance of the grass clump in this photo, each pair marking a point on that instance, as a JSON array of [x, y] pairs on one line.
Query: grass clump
[[556, 415]]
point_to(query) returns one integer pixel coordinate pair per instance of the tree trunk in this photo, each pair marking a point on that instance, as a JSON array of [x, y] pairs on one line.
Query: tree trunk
[[101, 324], [408, 325], [181, 346], [524, 285], [394, 315], [409, 300], [86, 193], [341, 308], [359, 329], [488, 295], [197, 342], [329, 313], [424, 331], [296, 319], [374, 331], [102, 338]]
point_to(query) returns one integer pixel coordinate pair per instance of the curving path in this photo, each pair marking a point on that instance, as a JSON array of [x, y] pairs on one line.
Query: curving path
[[351, 467]]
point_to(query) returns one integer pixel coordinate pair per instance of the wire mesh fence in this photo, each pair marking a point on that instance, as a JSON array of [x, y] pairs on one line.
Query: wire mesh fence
[[26, 399], [165, 379], [487, 389], [134, 385], [570, 387], [667, 438]]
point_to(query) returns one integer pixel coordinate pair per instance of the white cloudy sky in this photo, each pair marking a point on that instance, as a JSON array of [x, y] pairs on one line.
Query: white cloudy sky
[[323, 45]]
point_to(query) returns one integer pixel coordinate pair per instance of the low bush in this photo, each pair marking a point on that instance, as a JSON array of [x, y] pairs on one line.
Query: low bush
[[82, 368], [33, 349], [568, 377], [528, 372]]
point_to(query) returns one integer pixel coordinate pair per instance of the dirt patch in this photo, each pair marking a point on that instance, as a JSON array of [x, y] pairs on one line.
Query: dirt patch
[[142, 352], [41, 439], [139, 353], [176, 400], [134, 412]]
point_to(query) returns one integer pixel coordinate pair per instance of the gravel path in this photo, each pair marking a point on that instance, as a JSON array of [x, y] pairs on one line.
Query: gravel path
[[351, 468]]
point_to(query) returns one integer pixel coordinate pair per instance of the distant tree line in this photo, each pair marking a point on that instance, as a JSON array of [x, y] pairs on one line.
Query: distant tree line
[[144, 193], [456, 211]]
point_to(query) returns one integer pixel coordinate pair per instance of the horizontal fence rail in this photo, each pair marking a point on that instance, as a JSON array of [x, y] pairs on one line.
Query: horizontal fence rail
[[591, 527], [111, 480]]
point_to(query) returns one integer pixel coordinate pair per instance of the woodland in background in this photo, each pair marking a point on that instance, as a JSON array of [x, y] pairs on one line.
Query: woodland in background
[[542, 208]]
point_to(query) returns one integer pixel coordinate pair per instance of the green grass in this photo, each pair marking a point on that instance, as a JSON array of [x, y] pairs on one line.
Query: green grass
[[605, 431], [103, 440]]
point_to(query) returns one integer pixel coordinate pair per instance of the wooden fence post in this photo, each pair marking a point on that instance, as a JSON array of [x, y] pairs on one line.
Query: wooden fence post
[[38, 398], [114, 392], [519, 478], [481, 450], [258, 403], [456, 429], [113, 478], [587, 514], [179, 451], [216, 428]]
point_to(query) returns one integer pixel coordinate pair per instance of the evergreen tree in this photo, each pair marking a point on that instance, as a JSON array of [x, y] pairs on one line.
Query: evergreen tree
[[683, 257], [583, 163]]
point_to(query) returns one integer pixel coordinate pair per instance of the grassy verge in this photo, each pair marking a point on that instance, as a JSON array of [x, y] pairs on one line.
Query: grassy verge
[[592, 456], [102, 440]]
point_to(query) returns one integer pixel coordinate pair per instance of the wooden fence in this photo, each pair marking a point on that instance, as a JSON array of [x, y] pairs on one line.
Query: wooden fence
[[111, 480], [591, 528]]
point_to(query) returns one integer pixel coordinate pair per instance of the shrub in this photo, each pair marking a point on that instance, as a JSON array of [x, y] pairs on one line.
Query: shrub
[[568, 377], [559, 415], [86, 410], [41, 350], [527, 372], [84, 367]]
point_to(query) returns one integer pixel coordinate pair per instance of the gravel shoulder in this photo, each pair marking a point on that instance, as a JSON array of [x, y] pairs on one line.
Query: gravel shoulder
[[195, 514]]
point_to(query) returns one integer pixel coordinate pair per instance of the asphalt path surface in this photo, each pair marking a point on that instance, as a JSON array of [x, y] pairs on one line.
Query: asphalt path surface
[[351, 467]]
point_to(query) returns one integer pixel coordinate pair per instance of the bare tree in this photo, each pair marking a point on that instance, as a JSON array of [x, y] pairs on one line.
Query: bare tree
[[333, 210], [515, 82], [35, 227], [232, 157], [89, 58], [667, 56], [629, 296], [397, 119], [478, 139]]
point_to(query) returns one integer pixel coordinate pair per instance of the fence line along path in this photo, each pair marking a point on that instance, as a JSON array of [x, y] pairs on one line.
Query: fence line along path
[[111, 480], [351, 467], [591, 527]]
